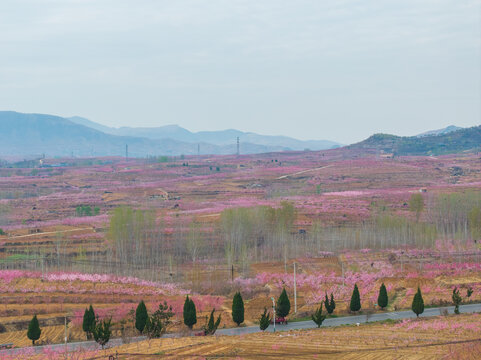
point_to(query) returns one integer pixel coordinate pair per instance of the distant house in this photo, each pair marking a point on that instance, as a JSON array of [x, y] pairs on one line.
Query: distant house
[[385, 155]]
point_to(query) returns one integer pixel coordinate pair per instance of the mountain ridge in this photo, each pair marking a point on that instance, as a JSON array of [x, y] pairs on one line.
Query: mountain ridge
[[461, 140], [446, 130], [38, 134], [220, 137]]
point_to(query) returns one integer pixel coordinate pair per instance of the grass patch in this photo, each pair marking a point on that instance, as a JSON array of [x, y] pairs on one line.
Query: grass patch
[[18, 257], [304, 318]]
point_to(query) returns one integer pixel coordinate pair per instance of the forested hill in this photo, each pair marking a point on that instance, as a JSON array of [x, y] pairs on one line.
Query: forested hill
[[36, 134], [468, 139]]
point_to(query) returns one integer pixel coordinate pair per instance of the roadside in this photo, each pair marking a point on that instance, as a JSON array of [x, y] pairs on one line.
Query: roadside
[[330, 322]]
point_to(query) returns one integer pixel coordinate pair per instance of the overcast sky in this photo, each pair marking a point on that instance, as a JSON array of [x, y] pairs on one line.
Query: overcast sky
[[312, 69]]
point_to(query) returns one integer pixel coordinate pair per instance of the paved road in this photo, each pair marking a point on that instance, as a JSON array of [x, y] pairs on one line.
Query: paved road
[[345, 320], [351, 320]]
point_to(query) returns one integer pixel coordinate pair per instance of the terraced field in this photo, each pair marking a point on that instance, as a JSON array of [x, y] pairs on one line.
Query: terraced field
[[351, 223], [435, 338]]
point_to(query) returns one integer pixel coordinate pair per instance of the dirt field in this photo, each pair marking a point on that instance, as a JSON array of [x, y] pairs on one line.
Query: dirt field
[[452, 337]]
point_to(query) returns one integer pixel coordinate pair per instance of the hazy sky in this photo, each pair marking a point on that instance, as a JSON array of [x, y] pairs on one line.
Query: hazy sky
[[318, 69]]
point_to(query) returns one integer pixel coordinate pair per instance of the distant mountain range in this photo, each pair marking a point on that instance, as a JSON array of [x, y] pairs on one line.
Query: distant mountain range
[[221, 138], [437, 142], [27, 135], [36, 134]]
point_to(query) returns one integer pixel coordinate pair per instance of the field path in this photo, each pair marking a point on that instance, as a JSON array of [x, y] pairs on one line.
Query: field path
[[302, 172], [50, 233]]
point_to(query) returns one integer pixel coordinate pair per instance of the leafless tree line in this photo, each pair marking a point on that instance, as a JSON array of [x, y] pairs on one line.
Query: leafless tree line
[[140, 244]]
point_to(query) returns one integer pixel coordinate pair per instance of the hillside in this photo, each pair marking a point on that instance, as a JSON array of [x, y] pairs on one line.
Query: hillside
[[446, 130], [220, 138], [468, 139], [37, 134]]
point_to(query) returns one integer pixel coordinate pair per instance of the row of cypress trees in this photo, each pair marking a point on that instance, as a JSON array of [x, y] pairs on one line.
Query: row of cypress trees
[[283, 307], [417, 305], [94, 329], [190, 312], [101, 330]]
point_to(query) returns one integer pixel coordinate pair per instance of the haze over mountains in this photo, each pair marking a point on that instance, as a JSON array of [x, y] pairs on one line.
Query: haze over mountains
[[25, 135], [221, 138], [35, 134]]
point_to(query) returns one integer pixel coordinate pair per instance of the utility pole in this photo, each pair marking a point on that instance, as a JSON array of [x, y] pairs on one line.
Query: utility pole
[[295, 289], [66, 338], [126, 151], [274, 310], [198, 149], [238, 147], [342, 266], [43, 275]]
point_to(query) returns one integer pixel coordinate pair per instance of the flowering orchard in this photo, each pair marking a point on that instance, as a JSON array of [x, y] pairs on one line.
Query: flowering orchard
[[111, 232]]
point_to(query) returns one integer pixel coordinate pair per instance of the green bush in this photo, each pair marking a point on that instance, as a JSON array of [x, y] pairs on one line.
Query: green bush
[[238, 309], [382, 299], [102, 331], [33, 332], [190, 313], [212, 326], [88, 322], [283, 306], [319, 317], [418, 303], [265, 320], [141, 317], [355, 304], [330, 305], [157, 324]]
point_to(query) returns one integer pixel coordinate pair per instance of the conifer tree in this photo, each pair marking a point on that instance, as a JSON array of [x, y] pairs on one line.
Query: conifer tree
[[212, 326], [355, 304], [332, 305], [141, 316], [456, 300], [469, 292], [238, 309], [190, 313], [382, 299], [265, 320], [102, 332], [33, 332], [283, 306], [327, 304], [418, 303], [91, 318], [157, 323], [318, 316], [88, 322]]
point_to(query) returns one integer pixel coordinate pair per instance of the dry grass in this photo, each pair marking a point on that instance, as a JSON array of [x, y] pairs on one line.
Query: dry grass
[[372, 341]]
